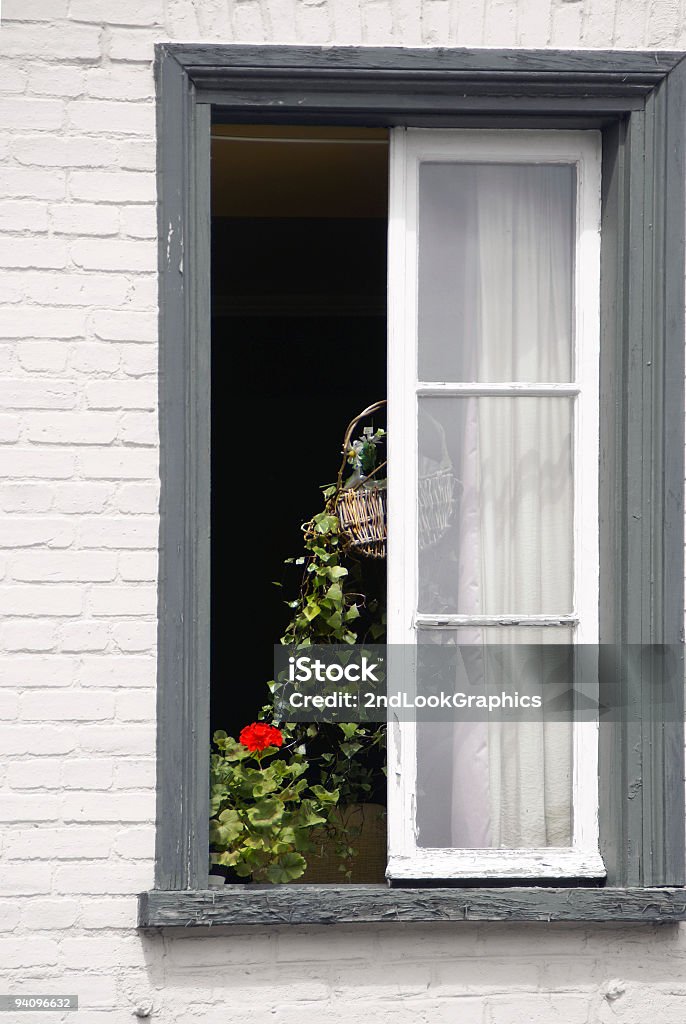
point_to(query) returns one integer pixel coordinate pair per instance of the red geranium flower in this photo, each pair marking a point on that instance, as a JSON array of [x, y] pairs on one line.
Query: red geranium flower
[[260, 735]]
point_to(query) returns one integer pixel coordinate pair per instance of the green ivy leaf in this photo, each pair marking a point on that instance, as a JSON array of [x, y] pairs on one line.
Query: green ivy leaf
[[287, 868]]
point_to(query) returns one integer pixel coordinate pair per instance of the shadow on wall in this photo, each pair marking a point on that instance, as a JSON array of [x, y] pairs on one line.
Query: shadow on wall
[[467, 973]]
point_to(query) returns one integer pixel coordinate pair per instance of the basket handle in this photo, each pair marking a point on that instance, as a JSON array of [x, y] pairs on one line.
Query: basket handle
[[349, 433]]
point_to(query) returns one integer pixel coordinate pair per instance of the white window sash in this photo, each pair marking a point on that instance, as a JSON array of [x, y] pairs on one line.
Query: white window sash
[[410, 147]]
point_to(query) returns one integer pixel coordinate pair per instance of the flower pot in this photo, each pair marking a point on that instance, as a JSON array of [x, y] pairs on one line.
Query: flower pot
[[364, 825]]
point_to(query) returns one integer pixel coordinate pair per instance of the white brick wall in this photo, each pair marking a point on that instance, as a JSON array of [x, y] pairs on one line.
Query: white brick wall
[[78, 498]]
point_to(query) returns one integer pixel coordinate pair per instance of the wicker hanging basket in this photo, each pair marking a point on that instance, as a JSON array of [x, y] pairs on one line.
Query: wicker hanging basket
[[361, 509]]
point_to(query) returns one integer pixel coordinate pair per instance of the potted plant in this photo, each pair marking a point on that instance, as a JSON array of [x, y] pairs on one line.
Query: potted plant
[[264, 809]]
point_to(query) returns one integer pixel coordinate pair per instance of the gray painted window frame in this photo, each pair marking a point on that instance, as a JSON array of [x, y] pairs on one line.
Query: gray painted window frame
[[635, 98]]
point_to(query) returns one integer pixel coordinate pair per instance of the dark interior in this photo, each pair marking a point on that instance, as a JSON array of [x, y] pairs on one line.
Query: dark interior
[[298, 348]]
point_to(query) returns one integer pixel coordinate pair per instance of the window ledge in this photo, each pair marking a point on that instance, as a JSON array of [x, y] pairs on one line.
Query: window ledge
[[377, 904]]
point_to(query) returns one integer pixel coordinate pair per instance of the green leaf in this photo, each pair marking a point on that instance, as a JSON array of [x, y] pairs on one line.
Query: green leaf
[[336, 572], [266, 813], [287, 868], [326, 796], [311, 611]]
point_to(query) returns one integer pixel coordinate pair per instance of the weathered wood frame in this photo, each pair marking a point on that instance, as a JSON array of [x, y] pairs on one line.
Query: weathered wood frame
[[637, 100]]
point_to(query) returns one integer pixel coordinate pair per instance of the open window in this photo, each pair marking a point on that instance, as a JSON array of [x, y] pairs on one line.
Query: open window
[[529, 124], [494, 366]]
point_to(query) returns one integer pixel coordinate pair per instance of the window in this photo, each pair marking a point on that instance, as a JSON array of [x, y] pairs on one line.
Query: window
[[494, 288], [634, 102]]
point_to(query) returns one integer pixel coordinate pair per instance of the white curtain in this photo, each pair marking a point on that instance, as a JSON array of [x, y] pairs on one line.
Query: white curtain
[[496, 248]]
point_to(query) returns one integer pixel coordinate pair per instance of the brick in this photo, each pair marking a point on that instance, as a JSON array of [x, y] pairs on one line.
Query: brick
[[12, 79], [122, 600], [93, 773], [136, 706], [20, 111], [119, 533], [25, 671], [79, 497], [84, 636], [27, 807], [81, 42], [251, 948], [42, 356], [9, 429], [45, 322], [67, 706], [139, 221], [21, 532], [130, 774], [20, 183], [40, 600], [136, 844], [43, 739], [119, 464], [26, 497], [125, 12], [131, 637], [43, 773], [121, 325], [112, 912], [131, 256], [72, 843], [136, 154], [139, 567], [72, 428], [92, 219], [113, 187], [92, 952], [30, 952], [69, 151], [34, 10], [50, 253], [121, 394], [50, 915], [17, 215], [51, 80], [114, 807], [128, 740], [137, 428], [9, 705], [121, 83], [29, 394], [120, 118], [139, 360], [117, 670], [249, 25], [10, 292], [10, 913], [314, 23], [132, 45], [27, 462], [553, 1009], [663, 23], [142, 294], [75, 289], [64, 566], [95, 358], [136, 498]]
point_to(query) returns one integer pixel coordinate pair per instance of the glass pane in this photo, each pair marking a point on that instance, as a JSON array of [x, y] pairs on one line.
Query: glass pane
[[499, 784], [495, 505], [496, 271]]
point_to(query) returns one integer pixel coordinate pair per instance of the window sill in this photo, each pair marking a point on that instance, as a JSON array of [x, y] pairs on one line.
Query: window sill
[[377, 904]]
